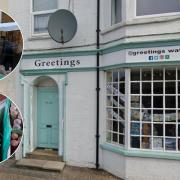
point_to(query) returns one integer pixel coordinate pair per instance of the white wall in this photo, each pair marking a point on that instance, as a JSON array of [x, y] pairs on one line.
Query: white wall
[[152, 169], [133, 28], [85, 12], [114, 163], [134, 168], [81, 119]]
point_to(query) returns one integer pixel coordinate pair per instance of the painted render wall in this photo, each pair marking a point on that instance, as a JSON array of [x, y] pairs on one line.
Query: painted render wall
[[114, 163], [134, 168], [86, 18], [81, 119], [135, 29], [132, 28], [151, 169]]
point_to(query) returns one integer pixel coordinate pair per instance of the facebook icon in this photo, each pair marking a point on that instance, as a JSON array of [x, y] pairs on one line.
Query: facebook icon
[[150, 58]]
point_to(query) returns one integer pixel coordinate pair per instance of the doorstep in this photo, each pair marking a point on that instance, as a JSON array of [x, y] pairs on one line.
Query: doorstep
[[44, 154], [41, 164]]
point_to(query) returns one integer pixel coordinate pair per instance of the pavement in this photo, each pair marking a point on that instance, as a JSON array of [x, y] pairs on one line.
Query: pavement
[[8, 171]]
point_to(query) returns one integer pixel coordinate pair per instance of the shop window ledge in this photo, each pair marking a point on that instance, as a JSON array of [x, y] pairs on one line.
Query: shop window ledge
[[140, 153]]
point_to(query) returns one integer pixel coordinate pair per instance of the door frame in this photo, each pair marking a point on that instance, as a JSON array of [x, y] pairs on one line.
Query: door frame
[[29, 84], [48, 89]]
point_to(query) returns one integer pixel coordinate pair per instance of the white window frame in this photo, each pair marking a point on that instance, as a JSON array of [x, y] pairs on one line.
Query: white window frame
[[153, 15], [113, 12], [123, 108], [127, 134], [32, 14], [164, 108]]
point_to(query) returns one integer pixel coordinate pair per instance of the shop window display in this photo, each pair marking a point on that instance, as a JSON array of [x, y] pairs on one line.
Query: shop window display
[[11, 128], [115, 90], [154, 110]]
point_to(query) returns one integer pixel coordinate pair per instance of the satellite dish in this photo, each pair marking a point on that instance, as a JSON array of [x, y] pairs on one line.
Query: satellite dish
[[62, 26]]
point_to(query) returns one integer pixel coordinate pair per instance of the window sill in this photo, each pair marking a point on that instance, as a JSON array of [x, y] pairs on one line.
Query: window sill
[[112, 28], [141, 20], [39, 37], [139, 153]]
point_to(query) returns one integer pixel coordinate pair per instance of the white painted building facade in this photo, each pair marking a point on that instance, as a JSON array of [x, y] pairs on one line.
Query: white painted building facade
[[139, 81]]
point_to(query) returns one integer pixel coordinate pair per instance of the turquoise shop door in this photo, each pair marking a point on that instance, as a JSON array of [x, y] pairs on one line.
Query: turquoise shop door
[[47, 118]]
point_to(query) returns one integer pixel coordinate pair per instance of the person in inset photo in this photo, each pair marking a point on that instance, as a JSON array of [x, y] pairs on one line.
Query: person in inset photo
[[11, 44], [11, 128]]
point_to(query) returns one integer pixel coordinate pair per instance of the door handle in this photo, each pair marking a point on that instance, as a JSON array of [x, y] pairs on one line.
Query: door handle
[[49, 126]]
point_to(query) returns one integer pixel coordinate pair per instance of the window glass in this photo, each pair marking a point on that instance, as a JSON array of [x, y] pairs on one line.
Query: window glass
[[135, 115], [135, 101], [121, 76], [135, 142], [146, 143], [158, 88], [150, 7], [158, 143], [170, 144], [115, 76], [170, 87], [170, 101], [170, 130], [43, 5], [135, 128], [157, 74], [146, 129], [146, 101], [146, 74], [135, 74], [170, 115], [158, 115], [135, 88], [146, 115], [158, 101], [109, 76], [41, 23], [170, 74], [146, 88], [121, 139], [158, 130], [116, 11]]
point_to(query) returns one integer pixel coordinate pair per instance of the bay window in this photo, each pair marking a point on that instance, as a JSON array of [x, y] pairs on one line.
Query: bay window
[[154, 108]]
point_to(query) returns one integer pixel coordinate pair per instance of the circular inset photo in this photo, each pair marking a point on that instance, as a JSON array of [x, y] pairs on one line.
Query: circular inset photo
[[11, 44], [11, 128]]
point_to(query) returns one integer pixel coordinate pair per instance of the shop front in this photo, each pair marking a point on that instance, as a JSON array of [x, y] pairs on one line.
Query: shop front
[[142, 111], [139, 107]]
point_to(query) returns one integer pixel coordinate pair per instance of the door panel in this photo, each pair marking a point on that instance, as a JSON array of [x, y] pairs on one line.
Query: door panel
[[48, 117]]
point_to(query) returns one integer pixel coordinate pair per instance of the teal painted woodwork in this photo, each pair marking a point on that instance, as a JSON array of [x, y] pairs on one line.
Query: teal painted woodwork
[[47, 118], [140, 153], [6, 131], [110, 49]]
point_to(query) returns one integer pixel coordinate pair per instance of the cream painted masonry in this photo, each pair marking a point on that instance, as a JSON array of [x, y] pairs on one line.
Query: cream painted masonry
[[79, 88]]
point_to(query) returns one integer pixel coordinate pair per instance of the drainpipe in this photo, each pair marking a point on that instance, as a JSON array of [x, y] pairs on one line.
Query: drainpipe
[[97, 85]]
